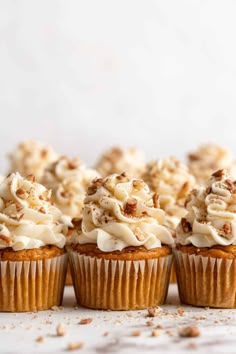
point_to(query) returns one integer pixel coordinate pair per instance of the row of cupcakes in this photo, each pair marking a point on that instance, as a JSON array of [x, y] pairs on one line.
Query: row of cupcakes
[[168, 177], [121, 250]]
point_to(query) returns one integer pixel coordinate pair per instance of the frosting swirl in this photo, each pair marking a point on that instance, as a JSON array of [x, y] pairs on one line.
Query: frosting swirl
[[31, 157], [68, 179], [119, 212], [172, 181], [211, 218], [119, 160], [27, 217], [209, 158]]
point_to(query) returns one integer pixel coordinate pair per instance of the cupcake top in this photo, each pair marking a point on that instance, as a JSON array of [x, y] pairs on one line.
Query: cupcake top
[[31, 157], [119, 160], [68, 179], [120, 212], [211, 218], [27, 217], [172, 181], [209, 158]]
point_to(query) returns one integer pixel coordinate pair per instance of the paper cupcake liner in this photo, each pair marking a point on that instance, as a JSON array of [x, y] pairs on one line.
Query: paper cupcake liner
[[119, 284], [32, 285], [173, 273], [206, 281], [68, 275]]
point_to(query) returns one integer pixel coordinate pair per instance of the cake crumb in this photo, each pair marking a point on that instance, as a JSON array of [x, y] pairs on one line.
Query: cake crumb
[[75, 345], [105, 334], [154, 311], [136, 333], [39, 339], [61, 330], [189, 331], [85, 321], [155, 333]]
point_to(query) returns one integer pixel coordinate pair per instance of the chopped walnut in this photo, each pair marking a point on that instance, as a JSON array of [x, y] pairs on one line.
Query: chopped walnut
[[5, 239], [219, 173], [30, 178], [85, 321], [71, 165], [155, 199], [150, 323], [154, 311], [77, 222], [92, 189], [61, 330], [156, 333], [231, 186], [136, 333], [39, 339], [130, 207], [189, 331], [186, 226], [193, 157], [184, 190], [75, 345]]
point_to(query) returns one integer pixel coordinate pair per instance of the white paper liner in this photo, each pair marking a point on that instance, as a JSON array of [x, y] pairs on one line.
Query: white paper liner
[[32, 285], [119, 284], [206, 281]]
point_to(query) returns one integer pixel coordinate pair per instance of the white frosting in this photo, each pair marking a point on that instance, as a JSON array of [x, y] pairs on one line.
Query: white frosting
[[119, 160], [68, 180], [31, 157], [172, 181], [211, 218], [108, 222], [209, 158], [27, 217]]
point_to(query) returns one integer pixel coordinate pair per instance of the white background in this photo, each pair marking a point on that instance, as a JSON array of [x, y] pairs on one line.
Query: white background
[[83, 75]]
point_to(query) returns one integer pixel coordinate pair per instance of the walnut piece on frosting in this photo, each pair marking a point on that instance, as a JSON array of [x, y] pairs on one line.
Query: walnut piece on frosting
[[119, 160], [209, 158], [31, 157], [211, 213], [68, 179], [171, 182]]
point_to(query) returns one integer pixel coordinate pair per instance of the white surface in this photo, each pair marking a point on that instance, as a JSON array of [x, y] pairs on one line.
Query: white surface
[[18, 332], [86, 74]]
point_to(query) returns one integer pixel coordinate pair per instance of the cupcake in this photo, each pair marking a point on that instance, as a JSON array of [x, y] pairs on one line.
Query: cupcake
[[121, 256], [205, 253], [172, 181], [119, 160], [33, 259], [209, 158], [68, 179], [31, 157]]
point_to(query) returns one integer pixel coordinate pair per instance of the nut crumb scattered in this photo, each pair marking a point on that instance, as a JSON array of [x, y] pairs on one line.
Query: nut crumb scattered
[[61, 330], [154, 311], [155, 333], [149, 323], [136, 333], [75, 345], [105, 334], [189, 331], [159, 326], [180, 311], [57, 308], [169, 333], [39, 339], [85, 321]]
